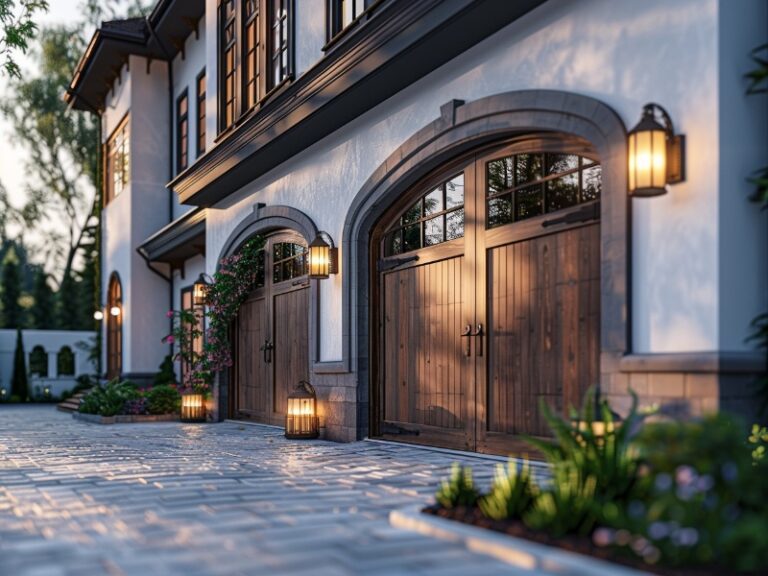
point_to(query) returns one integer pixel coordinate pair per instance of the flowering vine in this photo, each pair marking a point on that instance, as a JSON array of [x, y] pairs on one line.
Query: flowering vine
[[232, 283]]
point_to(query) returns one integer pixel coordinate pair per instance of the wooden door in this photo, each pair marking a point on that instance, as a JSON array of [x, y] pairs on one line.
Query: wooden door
[[290, 356], [476, 331], [272, 333]]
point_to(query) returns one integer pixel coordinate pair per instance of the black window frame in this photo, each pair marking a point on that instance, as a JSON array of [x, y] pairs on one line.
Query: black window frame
[[335, 24], [266, 84], [182, 141], [200, 97]]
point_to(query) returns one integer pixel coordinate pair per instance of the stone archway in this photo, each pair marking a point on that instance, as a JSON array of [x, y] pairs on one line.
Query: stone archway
[[461, 128]]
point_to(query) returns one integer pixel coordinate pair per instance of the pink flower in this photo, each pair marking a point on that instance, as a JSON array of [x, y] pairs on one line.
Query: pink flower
[[170, 339], [169, 314]]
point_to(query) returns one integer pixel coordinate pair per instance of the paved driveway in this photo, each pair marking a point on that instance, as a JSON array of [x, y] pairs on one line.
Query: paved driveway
[[81, 499]]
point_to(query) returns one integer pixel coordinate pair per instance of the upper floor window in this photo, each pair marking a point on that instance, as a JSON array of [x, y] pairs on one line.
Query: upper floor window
[[117, 160], [256, 38], [201, 113], [182, 132], [228, 64], [342, 13]]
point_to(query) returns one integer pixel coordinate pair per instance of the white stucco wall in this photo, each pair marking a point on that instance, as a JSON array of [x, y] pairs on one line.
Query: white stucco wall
[[186, 68], [138, 211], [623, 53], [52, 341]]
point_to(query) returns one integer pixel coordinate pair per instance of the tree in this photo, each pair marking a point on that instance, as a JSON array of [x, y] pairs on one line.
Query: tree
[[11, 291], [41, 312], [62, 145], [19, 385], [17, 29]]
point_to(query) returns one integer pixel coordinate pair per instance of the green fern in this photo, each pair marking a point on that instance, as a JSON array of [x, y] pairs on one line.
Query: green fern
[[459, 489], [511, 492]]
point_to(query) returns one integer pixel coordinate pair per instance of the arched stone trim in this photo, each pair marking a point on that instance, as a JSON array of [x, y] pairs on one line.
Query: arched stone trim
[[460, 128], [265, 219]]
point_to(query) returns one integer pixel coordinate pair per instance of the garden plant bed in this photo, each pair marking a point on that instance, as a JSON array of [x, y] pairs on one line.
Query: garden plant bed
[[126, 419], [572, 543]]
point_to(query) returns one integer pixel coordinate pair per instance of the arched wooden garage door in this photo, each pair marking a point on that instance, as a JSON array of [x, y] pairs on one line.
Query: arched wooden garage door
[[272, 333], [488, 296]]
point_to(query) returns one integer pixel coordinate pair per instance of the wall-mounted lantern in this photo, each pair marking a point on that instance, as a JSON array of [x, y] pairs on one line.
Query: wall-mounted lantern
[[192, 408], [115, 310], [3, 394], [656, 153], [200, 289], [301, 420], [47, 393], [98, 315], [323, 257]]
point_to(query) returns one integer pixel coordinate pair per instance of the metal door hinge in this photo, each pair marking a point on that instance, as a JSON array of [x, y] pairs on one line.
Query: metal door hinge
[[395, 430], [583, 214], [384, 265]]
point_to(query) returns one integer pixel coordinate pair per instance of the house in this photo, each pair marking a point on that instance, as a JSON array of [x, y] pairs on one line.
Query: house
[[504, 235], [53, 359]]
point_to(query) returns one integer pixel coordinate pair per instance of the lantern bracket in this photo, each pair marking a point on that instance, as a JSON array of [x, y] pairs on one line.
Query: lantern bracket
[[308, 388], [675, 142]]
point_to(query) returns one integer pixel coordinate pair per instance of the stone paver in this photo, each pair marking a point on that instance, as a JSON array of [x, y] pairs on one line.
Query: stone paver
[[78, 499]]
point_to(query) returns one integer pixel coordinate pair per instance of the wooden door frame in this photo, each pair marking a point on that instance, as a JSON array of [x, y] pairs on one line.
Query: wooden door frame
[[268, 292], [474, 246]]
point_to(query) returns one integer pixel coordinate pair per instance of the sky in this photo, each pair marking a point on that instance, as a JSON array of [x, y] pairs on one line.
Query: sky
[[12, 157]]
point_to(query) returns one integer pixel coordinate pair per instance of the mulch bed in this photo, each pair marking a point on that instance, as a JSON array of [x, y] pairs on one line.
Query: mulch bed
[[572, 543]]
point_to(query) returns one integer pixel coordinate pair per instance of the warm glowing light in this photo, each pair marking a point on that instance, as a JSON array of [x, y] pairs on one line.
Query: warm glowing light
[[322, 257], [98, 315], [654, 149], [115, 310], [200, 290], [192, 408], [301, 417]]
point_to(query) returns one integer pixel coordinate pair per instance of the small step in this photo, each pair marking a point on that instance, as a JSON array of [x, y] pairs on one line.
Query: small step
[[72, 403]]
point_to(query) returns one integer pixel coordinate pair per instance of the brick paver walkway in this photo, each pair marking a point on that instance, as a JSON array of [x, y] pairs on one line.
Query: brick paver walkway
[[81, 499]]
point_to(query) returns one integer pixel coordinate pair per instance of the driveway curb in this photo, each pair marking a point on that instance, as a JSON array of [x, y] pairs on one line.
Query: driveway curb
[[523, 554]]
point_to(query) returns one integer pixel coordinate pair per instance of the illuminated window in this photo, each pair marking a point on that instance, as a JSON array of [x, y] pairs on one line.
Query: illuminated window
[[182, 132], [118, 162], [201, 113]]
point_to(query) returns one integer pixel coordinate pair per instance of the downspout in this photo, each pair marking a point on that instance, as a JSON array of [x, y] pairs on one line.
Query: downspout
[[170, 166]]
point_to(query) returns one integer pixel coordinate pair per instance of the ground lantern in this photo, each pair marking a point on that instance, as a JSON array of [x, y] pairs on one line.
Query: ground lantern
[[192, 408], [301, 418]]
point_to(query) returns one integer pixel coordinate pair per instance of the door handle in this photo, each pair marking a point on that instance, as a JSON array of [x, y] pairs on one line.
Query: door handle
[[466, 334], [267, 350], [270, 347], [479, 334]]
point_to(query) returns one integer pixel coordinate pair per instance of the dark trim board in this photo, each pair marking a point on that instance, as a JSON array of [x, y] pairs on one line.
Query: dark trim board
[[404, 41], [180, 240]]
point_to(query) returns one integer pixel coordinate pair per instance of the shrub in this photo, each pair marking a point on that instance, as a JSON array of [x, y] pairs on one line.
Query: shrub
[[108, 400], [511, 492], [83, 382], [163, 400], [66, 394], [136, 407], [567, 505], [699, 497], [166, 375], [758, 438], [459, 489]]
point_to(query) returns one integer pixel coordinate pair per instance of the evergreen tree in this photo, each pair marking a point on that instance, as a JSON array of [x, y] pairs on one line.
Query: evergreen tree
[[11, 291], [19, 386], [41, 313]]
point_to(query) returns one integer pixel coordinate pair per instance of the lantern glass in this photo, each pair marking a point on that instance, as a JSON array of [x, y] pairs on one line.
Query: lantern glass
[[319, 259], [301, 421], [192, 408], [200, 291], [115, 310], [98, 315], [648, 162]]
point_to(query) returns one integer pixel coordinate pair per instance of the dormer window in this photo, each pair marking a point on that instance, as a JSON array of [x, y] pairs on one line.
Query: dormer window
[[117, 160], [256, 53]]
